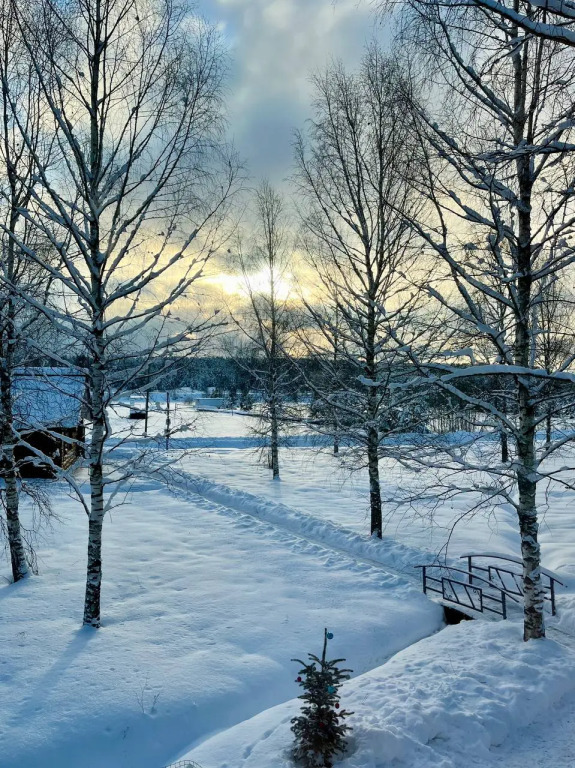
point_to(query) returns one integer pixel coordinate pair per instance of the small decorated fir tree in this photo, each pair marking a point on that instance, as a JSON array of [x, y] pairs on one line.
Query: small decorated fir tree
[[320, 729]]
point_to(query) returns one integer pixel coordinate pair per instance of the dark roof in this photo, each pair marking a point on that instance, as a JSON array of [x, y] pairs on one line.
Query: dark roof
[[48, 397]]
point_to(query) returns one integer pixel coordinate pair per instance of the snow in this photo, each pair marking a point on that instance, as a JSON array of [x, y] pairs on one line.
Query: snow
[[201, 608], [213, 585], [318, 484], [48, 397], [443, 703]]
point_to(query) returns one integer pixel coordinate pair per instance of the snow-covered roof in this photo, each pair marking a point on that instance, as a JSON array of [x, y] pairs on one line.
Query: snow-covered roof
[[47, 397]]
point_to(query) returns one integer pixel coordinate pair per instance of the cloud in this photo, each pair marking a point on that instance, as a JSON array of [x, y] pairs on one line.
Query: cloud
[[275, 46]]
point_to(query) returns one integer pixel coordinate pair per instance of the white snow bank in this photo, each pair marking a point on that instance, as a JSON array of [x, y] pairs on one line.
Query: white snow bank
[[203, 608], [443, 702], [388, 552]]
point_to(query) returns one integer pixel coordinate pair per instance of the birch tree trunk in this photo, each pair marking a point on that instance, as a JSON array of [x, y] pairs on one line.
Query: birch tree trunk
[[9, 474], [19, 184], [274, 342], [274, 441], [94, 570], [374, 483], [97, 376], [9, 470], [376, 525], [504, 447], [97, 508], [534, 626], [97, 502], [336, 342], [504, 438]]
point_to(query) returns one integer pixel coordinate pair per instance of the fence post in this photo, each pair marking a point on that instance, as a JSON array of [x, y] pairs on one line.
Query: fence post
[[552, 590], [470, 568], [503, 605], [423, 572]]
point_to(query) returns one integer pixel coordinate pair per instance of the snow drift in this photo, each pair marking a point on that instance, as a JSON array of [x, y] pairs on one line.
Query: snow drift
[[442, 703]]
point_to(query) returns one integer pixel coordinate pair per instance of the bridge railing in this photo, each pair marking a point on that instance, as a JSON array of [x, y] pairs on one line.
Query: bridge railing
[[509, 579], [480, 595]]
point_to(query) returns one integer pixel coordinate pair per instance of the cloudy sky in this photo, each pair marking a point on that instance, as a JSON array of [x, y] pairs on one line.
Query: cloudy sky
[[275, 46]]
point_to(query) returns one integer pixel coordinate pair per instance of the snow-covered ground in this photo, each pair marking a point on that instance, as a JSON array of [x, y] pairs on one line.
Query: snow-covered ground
[[443, 703], [203, 608], [210, 589], [316, 483]]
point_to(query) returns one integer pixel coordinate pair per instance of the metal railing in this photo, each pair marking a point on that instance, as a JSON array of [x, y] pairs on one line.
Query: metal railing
[[183, 764], [481, 597], [510, 580], [484, 587]]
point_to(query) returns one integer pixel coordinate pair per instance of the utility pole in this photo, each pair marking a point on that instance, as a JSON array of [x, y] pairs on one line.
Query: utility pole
[[168, 425], [147, 410]]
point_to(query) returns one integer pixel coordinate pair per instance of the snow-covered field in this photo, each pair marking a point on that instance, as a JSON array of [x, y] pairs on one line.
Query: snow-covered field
[[317, 484], [446, 702], [213, 585]]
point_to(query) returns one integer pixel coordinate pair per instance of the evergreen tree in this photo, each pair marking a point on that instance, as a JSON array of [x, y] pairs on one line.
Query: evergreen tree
[[320, 729]]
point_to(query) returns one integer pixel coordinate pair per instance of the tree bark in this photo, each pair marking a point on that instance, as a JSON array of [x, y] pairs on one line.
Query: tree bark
[[504, 438], [97, 367], [9, 340], [15, 541], [274, 345], [9, 471], [94, 573], [374, 483], [274, 441], [504, 447], [534, 626], [96, 518], [372, 404]]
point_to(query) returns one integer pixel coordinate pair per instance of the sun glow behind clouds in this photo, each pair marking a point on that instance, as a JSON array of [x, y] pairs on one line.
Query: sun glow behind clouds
[[258, 282]]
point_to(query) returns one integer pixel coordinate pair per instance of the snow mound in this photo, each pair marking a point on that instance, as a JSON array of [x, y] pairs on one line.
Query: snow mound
[[386, 551], [442, 703]]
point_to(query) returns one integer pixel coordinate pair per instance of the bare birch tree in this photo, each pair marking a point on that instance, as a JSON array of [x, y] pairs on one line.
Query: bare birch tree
[[19, 323], [552, 20], [495, 138], [351, 176], [132, 207], [265, 318]]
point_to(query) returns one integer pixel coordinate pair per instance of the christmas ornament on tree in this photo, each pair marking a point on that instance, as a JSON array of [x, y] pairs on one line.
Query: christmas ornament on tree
[[320, 729]]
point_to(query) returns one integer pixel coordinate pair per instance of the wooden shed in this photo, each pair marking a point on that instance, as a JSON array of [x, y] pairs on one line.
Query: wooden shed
[[48, 409]]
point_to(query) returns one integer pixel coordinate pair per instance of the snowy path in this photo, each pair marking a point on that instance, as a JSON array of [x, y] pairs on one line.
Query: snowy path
[[388, 555], [548, 743], [203, 608]]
